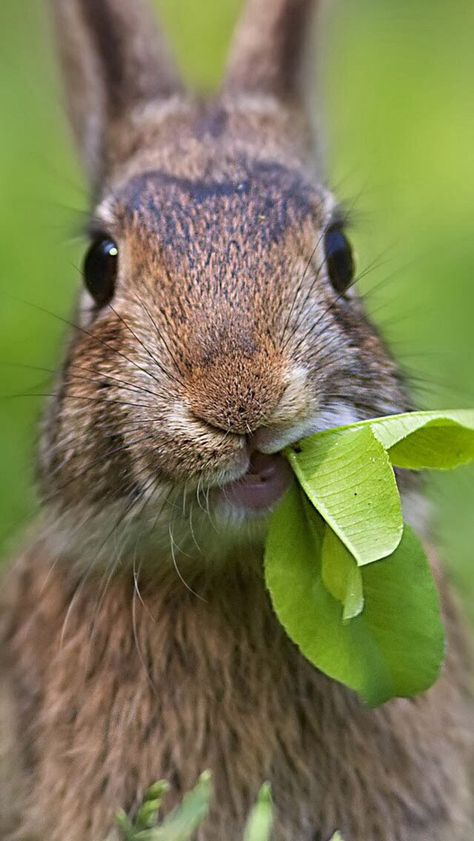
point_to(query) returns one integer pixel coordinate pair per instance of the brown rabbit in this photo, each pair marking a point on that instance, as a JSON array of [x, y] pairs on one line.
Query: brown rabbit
[[218, 324]]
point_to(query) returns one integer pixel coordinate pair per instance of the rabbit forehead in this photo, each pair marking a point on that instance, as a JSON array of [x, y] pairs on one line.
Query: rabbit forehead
[[253, 204]]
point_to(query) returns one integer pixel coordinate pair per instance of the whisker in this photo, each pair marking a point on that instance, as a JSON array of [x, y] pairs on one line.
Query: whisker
[[297, 292], [141, 343], [166, 502], [91, 466], [198, 493], [332, 304], [121, 521], [78, 590], [141, 657], [85, 332], [160, 334], [136, 578], [433, 385], [310, 290], [98, 400], [174, 545], [99, 372], [191, 527]]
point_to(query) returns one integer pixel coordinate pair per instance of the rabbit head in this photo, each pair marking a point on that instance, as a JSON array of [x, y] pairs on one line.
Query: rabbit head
[[218, 321]]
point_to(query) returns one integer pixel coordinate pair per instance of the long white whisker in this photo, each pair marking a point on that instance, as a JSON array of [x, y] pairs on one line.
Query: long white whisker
[[174, 546]]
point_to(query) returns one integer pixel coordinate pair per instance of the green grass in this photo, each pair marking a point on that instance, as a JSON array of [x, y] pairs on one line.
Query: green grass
[[189, 815], [397, 94]]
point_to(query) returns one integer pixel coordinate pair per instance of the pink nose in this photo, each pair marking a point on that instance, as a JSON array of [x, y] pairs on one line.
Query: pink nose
[[265, 482]]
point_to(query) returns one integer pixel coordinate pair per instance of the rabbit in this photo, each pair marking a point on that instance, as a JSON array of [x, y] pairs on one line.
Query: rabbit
[[218, 323]]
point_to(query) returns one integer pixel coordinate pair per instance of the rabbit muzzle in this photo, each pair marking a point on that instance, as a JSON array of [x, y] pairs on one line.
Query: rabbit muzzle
[[261, 488]]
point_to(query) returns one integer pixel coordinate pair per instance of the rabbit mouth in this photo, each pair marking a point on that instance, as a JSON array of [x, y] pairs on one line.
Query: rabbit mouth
[[263, 485]]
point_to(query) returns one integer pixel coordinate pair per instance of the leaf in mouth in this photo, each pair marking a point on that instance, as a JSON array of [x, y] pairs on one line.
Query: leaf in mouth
[[350, 583]]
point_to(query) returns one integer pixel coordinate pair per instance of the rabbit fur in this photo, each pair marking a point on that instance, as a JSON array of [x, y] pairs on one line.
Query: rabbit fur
[[138, 640]]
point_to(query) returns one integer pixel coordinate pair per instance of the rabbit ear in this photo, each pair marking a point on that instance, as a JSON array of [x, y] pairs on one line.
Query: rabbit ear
[[113, 60], [268, 52]]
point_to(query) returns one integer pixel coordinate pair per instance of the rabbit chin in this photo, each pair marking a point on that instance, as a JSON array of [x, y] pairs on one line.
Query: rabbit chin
[[185, 537], [175, 524], [175, 528], [189, 530]]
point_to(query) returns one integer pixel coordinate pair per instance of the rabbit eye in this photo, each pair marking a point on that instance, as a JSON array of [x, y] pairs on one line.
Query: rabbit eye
[[339, 259], [100, 270]]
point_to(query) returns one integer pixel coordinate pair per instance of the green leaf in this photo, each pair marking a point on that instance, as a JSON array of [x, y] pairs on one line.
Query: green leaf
[[434, 440], [341, 575], [148, 813], [394, 648], [427, 440], [186, 818], [125, 826], [179, 825], [259, 824], [348, 477]]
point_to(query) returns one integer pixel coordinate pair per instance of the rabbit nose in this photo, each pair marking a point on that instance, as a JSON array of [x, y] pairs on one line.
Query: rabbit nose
[[236, 395], [241, 418]]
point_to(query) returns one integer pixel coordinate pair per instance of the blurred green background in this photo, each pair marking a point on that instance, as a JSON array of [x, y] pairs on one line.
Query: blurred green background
[[396, 100]]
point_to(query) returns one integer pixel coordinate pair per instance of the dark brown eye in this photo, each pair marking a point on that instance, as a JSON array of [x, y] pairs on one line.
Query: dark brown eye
[[100, 270], [339, 259]]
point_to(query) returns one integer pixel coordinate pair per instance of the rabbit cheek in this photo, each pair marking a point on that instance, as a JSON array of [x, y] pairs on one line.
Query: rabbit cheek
[[86, 460]]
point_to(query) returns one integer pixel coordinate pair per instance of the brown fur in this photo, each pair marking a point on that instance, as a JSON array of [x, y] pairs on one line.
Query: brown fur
[[139, 640], [126, 688]]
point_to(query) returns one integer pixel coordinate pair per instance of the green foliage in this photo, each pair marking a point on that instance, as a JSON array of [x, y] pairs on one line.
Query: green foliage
[[428, 440], [357, 595], [260, 822], [394, 647], [179, 825], [348, 478], [189, 815], [341, 576], [186, 818]]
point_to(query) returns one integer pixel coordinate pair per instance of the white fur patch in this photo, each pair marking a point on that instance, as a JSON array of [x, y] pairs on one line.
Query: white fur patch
[[342, 414]]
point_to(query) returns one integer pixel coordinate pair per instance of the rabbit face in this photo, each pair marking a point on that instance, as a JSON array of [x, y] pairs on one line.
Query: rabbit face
[[214, 333], [218, 324]]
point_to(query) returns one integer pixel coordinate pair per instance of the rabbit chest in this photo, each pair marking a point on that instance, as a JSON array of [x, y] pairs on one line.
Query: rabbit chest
[[124, 682]]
